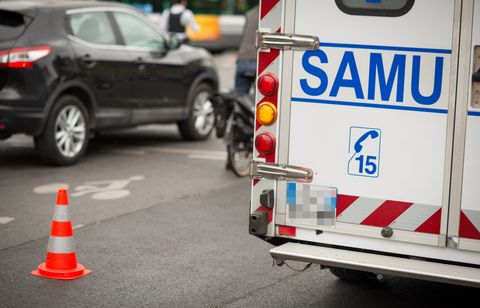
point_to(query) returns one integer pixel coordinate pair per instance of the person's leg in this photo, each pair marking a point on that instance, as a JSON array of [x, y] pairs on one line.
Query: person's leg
[[250, 74], [252, 84], [242, 83]]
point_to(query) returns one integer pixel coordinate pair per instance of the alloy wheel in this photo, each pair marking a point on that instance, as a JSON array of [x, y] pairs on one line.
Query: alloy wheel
[[70, 131], [203, 114]]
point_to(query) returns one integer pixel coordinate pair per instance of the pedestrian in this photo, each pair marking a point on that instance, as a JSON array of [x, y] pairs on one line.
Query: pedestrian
[[177, 18], [247, 54]]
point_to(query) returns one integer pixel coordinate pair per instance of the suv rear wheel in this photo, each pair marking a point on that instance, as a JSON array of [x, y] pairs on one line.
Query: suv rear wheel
[[200, 119], [65, 137]]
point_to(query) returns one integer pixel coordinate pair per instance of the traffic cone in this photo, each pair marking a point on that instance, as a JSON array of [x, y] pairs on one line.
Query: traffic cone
[[61, 262]]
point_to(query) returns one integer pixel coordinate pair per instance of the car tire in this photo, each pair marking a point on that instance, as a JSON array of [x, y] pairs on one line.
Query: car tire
[[200, 119], [64, 139], [239, 166], [352, 275]]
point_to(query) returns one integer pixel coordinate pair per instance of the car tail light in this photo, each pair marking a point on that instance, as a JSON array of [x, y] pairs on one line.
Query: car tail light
[[23, 57], [266, 113], [265, 143], [267, 84]]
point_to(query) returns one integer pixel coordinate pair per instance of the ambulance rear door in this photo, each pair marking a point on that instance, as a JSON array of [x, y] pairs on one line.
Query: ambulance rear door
[[464, 222], [371, 113]]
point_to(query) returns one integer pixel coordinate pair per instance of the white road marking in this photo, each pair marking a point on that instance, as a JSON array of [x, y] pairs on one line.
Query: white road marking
[[127, 152], [187, 151], [78, 226], [202, 154], [207, 157], [20, 145], [99, 190], [19, 141], [50, 188], [109, 195], [6, 220]]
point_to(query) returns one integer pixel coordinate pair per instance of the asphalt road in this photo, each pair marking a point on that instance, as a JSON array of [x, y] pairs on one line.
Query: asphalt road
[[162, 223]]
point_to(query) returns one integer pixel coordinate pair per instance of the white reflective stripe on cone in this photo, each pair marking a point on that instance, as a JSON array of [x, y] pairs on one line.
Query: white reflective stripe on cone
[[61, 213], [61, 244]]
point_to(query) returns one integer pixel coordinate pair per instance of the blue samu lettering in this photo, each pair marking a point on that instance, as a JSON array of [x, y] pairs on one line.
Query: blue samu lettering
[[379, 77]]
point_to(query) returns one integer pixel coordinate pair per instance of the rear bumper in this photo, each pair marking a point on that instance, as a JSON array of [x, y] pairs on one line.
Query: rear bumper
[[369, 262], [27, 120]]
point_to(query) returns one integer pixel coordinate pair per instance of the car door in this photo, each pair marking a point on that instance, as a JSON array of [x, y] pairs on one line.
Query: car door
[[158, 81], [103, 63]]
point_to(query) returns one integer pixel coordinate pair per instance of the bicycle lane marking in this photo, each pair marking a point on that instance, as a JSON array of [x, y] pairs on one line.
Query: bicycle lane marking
[[5, 220], [98, 190]]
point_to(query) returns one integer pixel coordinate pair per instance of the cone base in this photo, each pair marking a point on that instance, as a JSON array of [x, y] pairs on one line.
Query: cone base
[[78, 272]]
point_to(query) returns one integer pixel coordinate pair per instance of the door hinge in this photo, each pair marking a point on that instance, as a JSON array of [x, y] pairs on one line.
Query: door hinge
[[280, 172], [286, 41]]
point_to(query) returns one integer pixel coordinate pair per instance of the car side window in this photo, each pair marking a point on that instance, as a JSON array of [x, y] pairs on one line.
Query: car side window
[[138, 33], [93, 27]]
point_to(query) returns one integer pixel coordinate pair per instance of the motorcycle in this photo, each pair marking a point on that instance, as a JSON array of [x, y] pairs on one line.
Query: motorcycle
[[235, 123]]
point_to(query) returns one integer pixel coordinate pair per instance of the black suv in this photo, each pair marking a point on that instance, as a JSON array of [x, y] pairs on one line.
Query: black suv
[[68, 69]]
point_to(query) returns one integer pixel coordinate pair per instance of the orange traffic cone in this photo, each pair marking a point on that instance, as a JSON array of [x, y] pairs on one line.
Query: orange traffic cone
[[61, 262]]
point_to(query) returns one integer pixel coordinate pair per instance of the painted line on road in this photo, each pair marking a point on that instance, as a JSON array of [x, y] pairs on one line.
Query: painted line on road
[[19, 145], [207, 157], [202, 154], [127, 152], [187, 151], [78, 226], [6, 220], [50, 188]]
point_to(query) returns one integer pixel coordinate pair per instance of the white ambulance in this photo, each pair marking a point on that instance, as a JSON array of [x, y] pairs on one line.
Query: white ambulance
[[367, 141]]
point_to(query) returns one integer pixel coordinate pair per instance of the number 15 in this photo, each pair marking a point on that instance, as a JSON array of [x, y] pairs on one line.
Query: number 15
[[367, 166]]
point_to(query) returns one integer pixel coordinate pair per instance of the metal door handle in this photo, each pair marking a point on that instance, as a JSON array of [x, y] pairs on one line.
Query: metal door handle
[[280, 172]]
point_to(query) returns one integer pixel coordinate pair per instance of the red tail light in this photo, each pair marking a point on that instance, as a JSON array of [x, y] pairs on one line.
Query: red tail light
[[268, 84], [23, 57], [286, 230], [265, 143]]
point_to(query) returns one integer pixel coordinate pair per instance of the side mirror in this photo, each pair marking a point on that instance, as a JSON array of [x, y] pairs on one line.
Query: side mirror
[[173, 42]]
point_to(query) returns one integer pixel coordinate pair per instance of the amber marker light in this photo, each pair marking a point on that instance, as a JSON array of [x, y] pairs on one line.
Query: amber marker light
[[266, 113]]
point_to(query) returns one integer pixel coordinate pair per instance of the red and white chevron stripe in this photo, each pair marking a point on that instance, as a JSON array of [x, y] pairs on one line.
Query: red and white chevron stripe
[[470, 224], [398, 215], [268, 61]]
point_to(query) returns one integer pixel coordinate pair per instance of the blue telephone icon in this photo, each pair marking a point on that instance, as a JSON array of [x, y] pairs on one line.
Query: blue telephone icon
[[358, 145]]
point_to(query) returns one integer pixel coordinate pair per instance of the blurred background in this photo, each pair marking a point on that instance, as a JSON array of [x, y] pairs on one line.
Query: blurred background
[[221, 21]]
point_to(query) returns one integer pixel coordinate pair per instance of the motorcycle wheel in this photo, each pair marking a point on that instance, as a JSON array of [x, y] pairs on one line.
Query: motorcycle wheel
[[239, 161]]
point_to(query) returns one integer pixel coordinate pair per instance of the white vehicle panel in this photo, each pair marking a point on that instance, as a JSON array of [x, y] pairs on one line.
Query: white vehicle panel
[[470, 206], [369, 109]]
